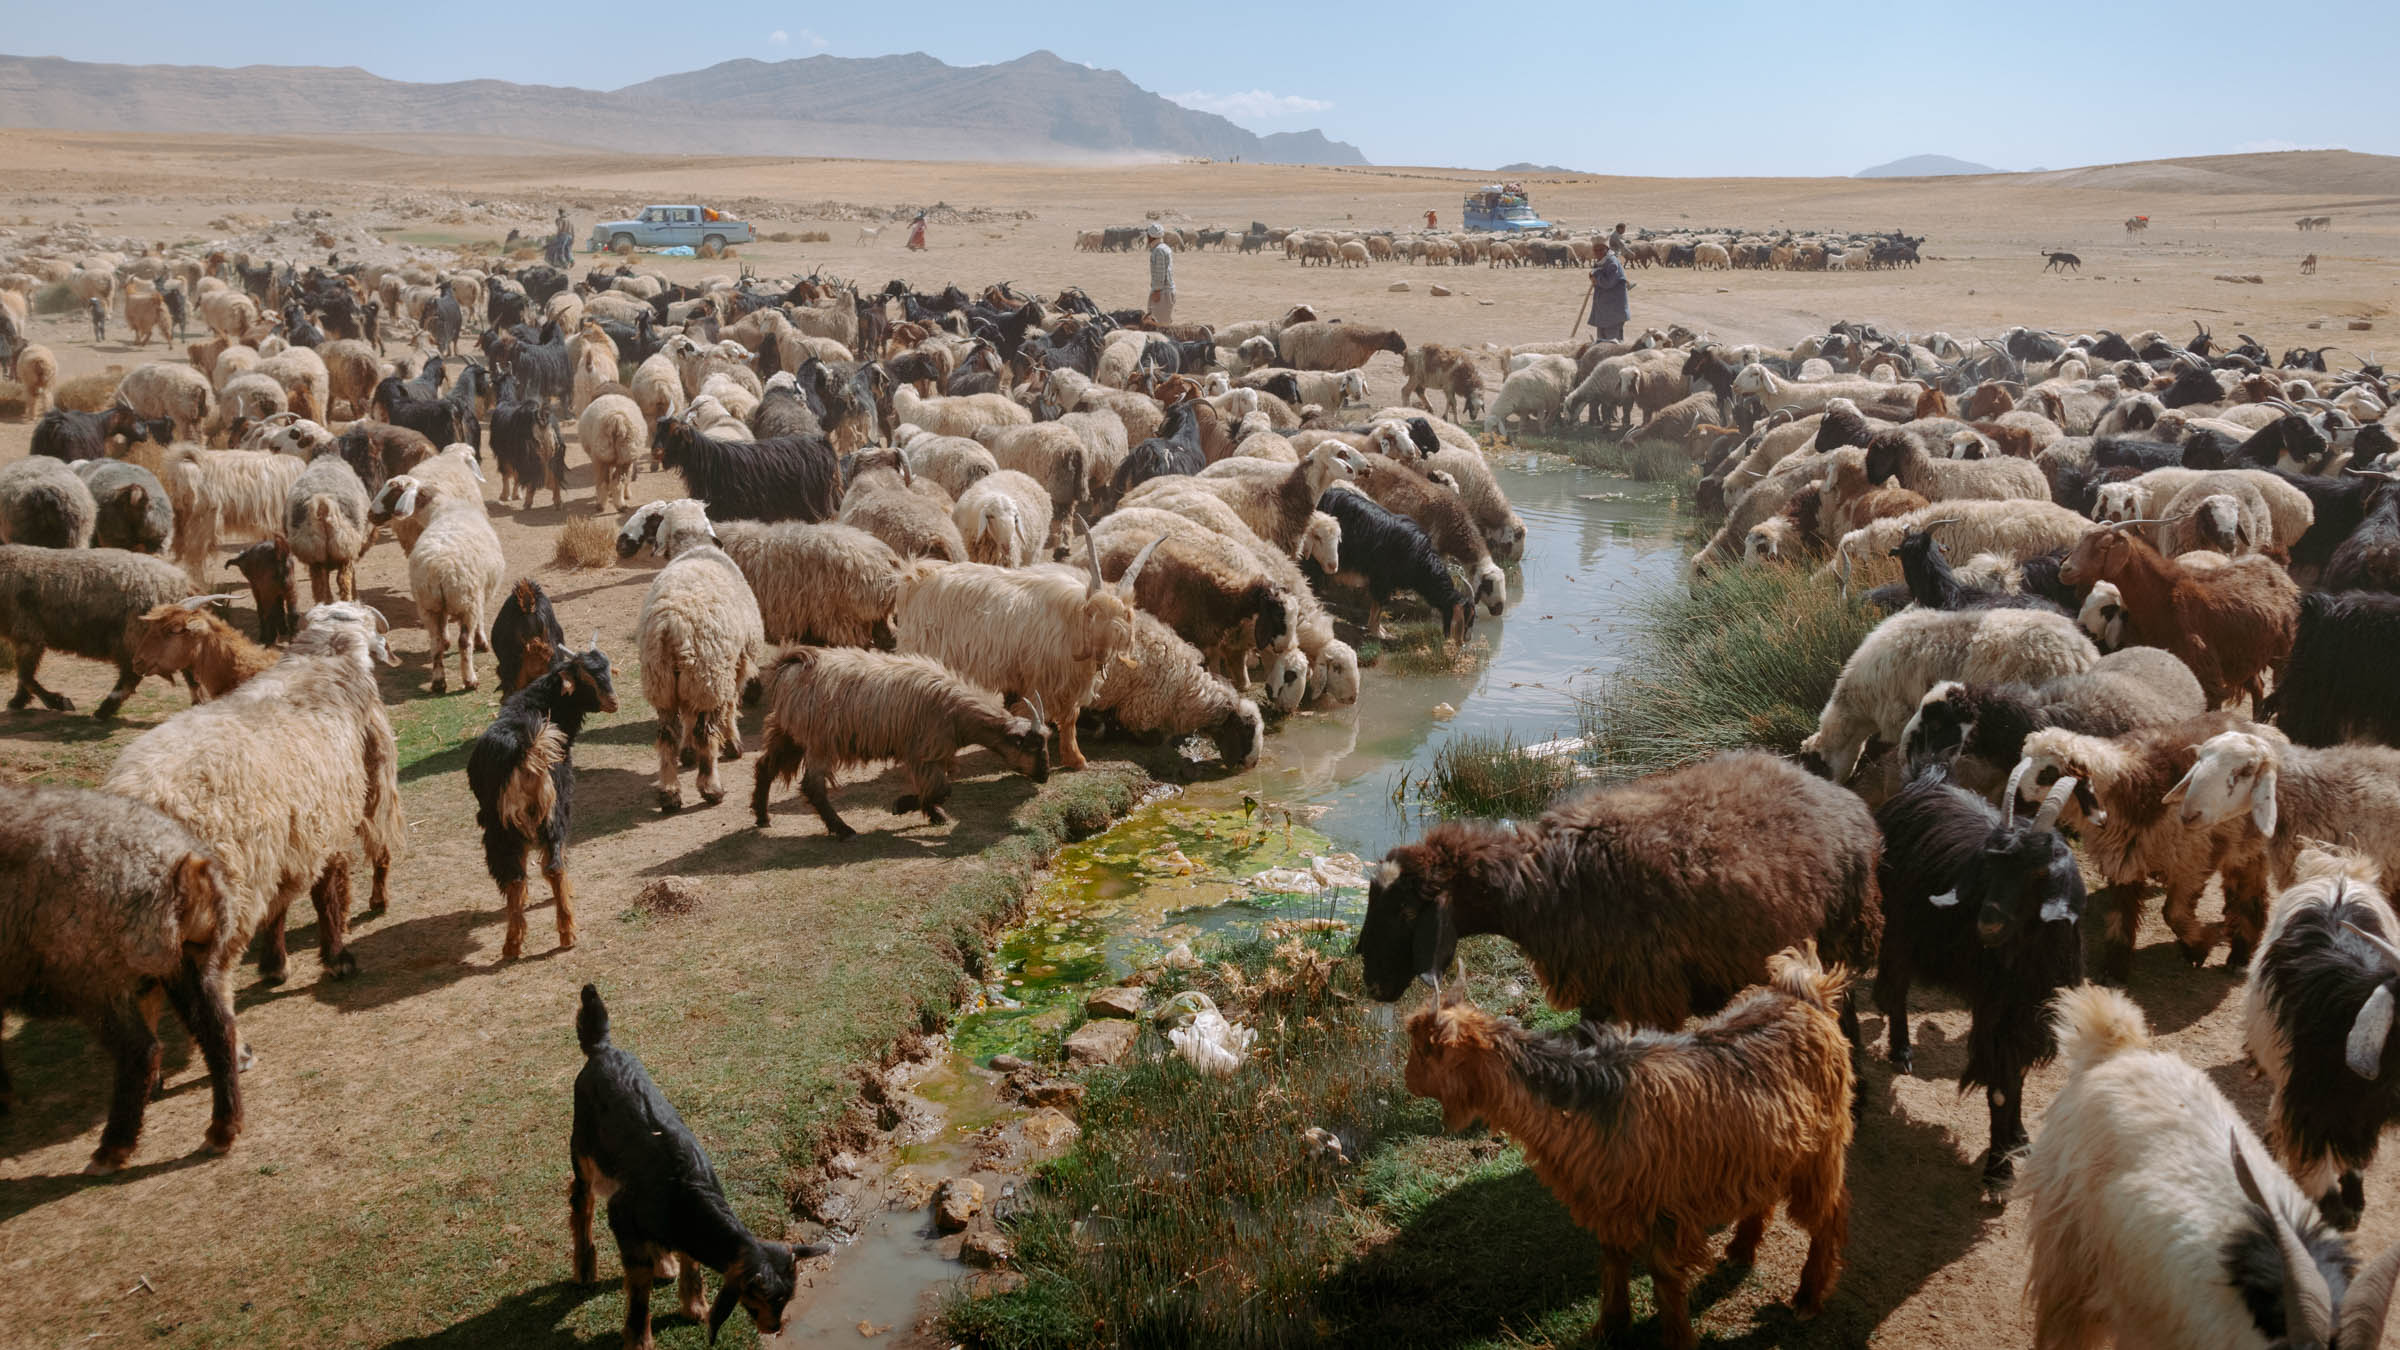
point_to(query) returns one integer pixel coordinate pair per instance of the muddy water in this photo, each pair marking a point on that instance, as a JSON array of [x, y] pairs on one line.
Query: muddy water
[[1183, 866]]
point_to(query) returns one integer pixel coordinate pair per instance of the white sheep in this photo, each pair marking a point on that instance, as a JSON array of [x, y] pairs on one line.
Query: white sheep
[[615, 436], [1883, 682], [1004, 518], [963, 415], [701, 638], [955, 462], [2345, 794], [325, 522], [827, 584], [1166, 689], [455, 569], [159, 389]]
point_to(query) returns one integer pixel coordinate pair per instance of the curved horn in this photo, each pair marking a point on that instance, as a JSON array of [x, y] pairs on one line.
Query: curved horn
[[1134, 569], [1092, 546], [2054, 803], [2369, 1298], [199, 602], [2307, 1304], [594, 644], [2008, 803], [2382, 946]]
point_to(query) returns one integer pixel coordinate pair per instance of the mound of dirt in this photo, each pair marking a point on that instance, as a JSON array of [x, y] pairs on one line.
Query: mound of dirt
[[2332, 173]]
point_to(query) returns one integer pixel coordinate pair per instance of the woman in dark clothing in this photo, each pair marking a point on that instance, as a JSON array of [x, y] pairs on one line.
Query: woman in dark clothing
[[1609, 286]]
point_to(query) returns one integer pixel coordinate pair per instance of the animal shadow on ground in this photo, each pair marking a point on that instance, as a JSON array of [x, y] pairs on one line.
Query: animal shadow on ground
[[64, 1077], [415, 956], [533, 1318], [1495, 1253], [26, 1194], [981, 811]]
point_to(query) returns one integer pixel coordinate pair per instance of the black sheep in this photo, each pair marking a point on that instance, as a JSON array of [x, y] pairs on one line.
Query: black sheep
[[1174, 450], [64, 433], [527, 442], [783, 478], [2339, 505], [526, 637], [1387, 553], [664, 1200], [2369, 560], [1933, 585], [267, 566], [522, 770], [2342, 682], [1989, 907], [2142, 455]]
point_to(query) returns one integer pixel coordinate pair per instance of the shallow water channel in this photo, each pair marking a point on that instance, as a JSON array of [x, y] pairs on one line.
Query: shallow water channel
[[1181, 867]]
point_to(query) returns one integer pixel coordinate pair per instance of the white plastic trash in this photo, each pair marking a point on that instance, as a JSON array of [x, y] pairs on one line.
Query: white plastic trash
[[1213, 1045]]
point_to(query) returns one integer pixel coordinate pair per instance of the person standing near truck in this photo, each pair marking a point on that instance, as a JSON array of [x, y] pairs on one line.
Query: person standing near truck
[[1609, 301], [1162, 277], [561, 252]]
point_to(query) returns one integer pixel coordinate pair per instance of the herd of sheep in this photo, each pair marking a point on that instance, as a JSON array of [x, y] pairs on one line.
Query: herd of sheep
[[1783, 250], [2143, 629]]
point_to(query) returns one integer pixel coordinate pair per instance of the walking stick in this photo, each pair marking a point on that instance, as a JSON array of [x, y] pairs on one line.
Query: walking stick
[[1580, 306]]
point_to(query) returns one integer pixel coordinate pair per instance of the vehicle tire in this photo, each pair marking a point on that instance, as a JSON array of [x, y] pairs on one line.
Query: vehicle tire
[[621, 243], [713, 246]]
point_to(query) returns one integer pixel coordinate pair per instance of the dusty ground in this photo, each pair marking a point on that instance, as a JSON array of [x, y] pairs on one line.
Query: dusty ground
[[352, 1165]]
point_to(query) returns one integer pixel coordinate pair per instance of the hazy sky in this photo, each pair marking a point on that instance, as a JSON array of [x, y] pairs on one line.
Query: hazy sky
[[1735, 88]]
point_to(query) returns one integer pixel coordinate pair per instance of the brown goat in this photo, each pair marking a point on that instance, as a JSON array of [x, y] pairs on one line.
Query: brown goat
[[2230, 624], [1649, 901], [267, 567], [1452, 371], [186, 639], [1650, 1139]]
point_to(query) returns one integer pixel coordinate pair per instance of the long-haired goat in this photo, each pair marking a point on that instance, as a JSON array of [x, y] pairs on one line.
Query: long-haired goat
[[522, 771], [2230, 624]]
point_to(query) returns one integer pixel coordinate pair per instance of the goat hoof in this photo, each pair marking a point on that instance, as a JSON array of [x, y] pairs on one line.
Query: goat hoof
[[1904, 1062], [61, 703], [272, 977], [107, 1161], [904, 805], [19, 703], [843, 832], [342, 967], [712, 795], [2237, 954], [220, 1138], [1998, 1170], [670, 800]]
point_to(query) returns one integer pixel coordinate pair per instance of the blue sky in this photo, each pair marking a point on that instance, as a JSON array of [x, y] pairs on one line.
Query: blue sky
[[1732, 89]]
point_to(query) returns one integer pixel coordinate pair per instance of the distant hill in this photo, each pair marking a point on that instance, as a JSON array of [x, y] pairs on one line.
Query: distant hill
[[1038, 106], [1924, 166], [1523, 166], [2327, 173]]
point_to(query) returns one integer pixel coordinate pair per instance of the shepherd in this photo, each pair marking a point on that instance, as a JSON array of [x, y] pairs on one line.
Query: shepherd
[[916, 234], [1608, 295], [1162, 277]]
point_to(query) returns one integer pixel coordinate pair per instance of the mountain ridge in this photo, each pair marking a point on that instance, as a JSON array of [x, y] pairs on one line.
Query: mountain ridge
[[1926, 166]]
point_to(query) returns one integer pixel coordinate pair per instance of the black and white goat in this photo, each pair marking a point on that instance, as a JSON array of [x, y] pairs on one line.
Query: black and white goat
[[1990, 907], [522, 769], [1384, 553], [526, 637], [1175, 449], [665, 1207]]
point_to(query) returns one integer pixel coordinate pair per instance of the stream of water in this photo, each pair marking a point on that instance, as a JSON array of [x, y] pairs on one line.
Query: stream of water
[[1178, 868]]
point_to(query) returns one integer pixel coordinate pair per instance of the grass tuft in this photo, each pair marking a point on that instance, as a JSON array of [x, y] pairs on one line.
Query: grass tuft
[[585, 543], [1474, 774], [1740, 658]]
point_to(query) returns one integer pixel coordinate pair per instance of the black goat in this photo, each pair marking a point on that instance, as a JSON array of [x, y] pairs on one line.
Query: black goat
[[2193, 385], [2142, 455], [1987, 906], [64, 433], [1385, 553], [664, 1201], [436, 419], [2289, 442], [2339, 505], [538, 361], [297, 330], [522, 770], [2342, 681], [784, 478], [785, 411], [1174, 450], [2319, 1010], [2369, 560], [267, 566], [527, 442], [526, 637], [1933, 585]]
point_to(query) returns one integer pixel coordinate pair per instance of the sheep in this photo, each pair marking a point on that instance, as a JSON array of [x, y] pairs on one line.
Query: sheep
[[2133, 837], [2348, 794], [105, 902], [1900, 455], [224, 495], [1331, 390], [2317, 1015], [454, 471], [964, 415], [1333, 345], [351, 374], [1040, 633], [325, 522], [245, 401], [455, 569], [658, 388], [912, 515], [306, 382], [1979, 903], [2230, 624], [957, 463], [45, 503], [84, 602], [2139, 1236], [187, 639], [1774, 392], [1650, 902], [1167, 689], [1534, 396], [829, 708], [1004, 518], [179, 393], [276, 778], [1207, 587], [522, 772], [1384, 553], [1433, 366], [612, 433], [2103, 616], [701, 638], [36, 369], [1906, 655], [1437, 510], [1054, 456], [828, 584], [2014, 529], [1277, 508], [2288, 509], [133, 510], [787, 478], [1651, 1139], [1984, 726], [2342, 681], [630, 1149], [2224, 512]]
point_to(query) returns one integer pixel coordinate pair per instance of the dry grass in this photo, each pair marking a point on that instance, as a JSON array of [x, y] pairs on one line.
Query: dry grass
[[90, 393], [585, 543], [13, 403]]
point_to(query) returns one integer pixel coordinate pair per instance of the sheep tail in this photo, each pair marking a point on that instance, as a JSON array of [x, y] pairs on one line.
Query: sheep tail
[[591, 1021], [1795, 971], [2094, 1023]]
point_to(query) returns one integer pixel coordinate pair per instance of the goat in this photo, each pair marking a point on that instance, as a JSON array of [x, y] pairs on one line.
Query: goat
[[522, 772], [2230, 624]]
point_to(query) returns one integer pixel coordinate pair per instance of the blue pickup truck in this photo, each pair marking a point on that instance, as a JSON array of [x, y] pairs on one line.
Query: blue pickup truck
[[705, 231]]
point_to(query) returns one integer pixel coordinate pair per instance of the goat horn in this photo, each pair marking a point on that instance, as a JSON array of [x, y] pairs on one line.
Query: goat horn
[[1946, 520], [199, 602], [1134, 569], [594, 644], [2008, 801], [1092, 546], [2054, 803], [2369, 1297], [2307, 1305], [2383, 946]]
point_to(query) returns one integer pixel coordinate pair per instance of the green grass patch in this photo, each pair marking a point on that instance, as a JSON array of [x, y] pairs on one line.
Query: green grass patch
[[1196, 1211], [1476, 774], [1739, 657]]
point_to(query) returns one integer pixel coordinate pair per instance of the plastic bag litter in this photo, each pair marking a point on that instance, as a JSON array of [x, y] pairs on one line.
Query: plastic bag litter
[[1213, 1045], [676, 251], [1184, 1007]]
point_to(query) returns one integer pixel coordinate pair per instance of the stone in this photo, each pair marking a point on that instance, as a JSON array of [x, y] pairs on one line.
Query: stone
[[1049, 1128], [2361, 326], [1440, 290], [1398, 286], [1060, 1093], [1100, 1043], [956, 1202], [986, 1250], [1007, 1064], [1114, 1001]]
